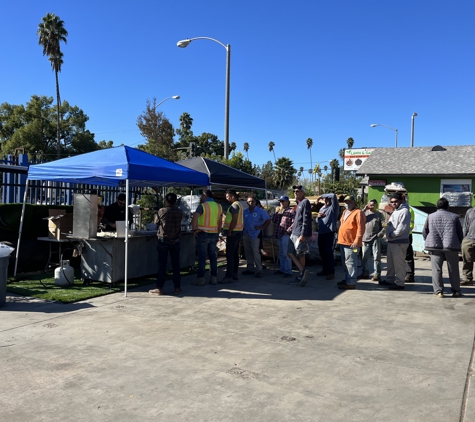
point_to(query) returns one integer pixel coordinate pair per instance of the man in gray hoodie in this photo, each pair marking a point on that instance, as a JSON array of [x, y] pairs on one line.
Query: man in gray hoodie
[[397, 235], [443, 236]]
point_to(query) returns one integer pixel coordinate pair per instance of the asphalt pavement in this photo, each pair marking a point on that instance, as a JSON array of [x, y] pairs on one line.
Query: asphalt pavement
[[254, 350]]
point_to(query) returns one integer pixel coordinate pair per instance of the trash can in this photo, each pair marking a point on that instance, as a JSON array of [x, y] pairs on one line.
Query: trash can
[[3, 279]]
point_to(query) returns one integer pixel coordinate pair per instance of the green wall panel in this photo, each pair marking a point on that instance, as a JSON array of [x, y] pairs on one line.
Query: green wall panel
[[423, 191]]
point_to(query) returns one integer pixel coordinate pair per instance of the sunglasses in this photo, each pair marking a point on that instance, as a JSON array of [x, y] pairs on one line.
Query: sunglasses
[[393, 202]]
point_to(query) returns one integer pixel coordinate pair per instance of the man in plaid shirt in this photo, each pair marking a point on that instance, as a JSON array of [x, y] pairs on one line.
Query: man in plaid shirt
[[284, 220]]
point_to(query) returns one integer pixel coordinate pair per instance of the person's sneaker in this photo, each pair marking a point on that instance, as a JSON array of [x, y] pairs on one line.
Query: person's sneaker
[[288, 275], [347, 286], [178, 292], [457, 294], [278, 272], [158, 292], [395, 287], [341, 282], [248, 272], [363, 276], [440, 294], [213, 280], [383, 283], [466, 283], [263, 252], [225, 280], [259, 275], [409, 279], [330, 277], [376, 278], [304, 278]]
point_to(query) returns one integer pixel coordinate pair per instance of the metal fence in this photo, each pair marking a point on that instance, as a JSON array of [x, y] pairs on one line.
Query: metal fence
[[15, 170]]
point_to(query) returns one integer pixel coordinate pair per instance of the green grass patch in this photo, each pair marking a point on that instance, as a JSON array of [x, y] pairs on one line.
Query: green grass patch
[[41, 286]]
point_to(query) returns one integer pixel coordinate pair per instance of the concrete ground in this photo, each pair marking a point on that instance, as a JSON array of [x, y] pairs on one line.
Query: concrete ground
[[254, 350]]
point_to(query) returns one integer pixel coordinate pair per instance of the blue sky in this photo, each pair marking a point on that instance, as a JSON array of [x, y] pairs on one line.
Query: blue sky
[[319, 69]]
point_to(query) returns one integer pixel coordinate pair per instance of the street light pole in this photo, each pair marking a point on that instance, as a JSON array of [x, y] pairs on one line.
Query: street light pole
[[412, 128], [389, 127], [175, 97], [185, 43]]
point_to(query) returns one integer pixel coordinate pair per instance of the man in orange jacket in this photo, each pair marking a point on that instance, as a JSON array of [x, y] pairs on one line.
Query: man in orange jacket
[[350, 239]]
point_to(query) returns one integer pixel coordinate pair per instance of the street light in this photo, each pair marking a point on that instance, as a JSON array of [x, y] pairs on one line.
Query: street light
[[175, 97], [389, 127], [185, 43], [412, 128]]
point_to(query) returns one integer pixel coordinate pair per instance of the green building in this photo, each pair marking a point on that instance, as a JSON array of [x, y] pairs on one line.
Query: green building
[[428, 173]]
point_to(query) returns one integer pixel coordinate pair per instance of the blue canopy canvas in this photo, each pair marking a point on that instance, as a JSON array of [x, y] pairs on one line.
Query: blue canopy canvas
[[113, 166]]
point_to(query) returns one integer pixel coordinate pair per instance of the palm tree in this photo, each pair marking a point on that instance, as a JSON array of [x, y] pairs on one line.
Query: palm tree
[[309, 147], [246, 149], [325, 168], [350, 142], [271, 149], [341, 154], [50, 33]]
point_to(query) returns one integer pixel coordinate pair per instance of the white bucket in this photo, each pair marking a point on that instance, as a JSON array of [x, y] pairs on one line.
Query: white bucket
[[120, 228]]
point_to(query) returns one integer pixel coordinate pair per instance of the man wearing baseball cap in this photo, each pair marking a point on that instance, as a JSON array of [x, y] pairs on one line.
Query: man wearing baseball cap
[[301, 232], [283, 220], [350, 239]]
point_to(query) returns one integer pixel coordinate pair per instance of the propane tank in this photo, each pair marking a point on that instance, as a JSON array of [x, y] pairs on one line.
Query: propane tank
[[64, 275]]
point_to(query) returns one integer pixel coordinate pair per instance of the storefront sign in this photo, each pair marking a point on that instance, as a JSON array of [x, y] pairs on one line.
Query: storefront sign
[[354, 158], [377, 183]]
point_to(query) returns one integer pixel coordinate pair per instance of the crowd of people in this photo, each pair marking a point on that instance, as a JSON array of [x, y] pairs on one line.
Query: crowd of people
[[358, 234]]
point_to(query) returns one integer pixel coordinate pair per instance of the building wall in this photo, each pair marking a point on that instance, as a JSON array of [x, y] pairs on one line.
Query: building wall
[[423, 191]]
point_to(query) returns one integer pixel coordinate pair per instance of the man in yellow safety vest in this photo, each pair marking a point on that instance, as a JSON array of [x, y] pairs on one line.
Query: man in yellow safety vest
[[206, 224], [233, 227]]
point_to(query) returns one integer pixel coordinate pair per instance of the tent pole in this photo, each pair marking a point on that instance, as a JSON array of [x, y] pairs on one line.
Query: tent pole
[[21, 228], [126, 233]]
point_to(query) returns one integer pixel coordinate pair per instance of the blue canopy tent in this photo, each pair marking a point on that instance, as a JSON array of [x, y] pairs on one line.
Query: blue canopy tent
[[121, 166]]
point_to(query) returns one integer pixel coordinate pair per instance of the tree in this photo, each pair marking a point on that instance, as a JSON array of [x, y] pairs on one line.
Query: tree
[[333, 165], [238, 161], [350, 142], [267, 173], [341, 154], [284, 174], [208, 144], [246, 149], [271, 149], [232, 147], [33, 128], [158, 131], [325, 168], [309, 147], [50, 33]]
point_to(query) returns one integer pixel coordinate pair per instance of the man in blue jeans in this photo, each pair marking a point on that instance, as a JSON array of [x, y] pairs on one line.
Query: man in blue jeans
[[327, 219], [283, 219], [206, 224], [374, 231], [169, 232]]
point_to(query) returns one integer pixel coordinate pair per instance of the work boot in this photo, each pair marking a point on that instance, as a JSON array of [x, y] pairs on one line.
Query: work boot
[[225, 280], [409, 279], [200, 281], [213, 280]]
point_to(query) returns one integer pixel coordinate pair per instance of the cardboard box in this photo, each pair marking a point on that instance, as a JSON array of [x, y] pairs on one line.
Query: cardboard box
[[60, 224]]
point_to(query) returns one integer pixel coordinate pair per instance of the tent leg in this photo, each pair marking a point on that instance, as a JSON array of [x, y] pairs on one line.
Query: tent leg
[[17, 254], [126, 234]]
